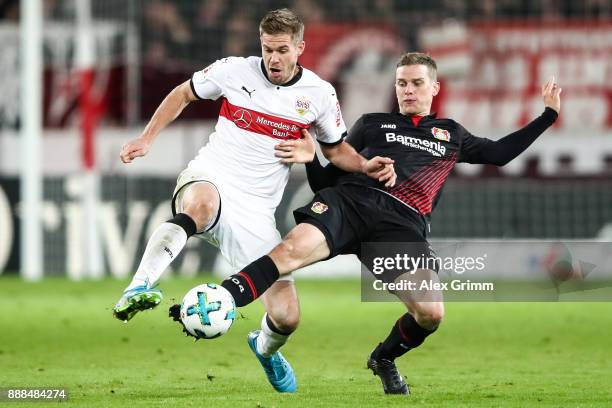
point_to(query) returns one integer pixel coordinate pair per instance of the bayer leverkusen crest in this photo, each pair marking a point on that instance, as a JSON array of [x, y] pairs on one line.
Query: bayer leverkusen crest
[[318, 207], [440, 134]]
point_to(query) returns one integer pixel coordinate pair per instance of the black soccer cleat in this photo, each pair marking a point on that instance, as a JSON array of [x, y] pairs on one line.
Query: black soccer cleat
[[392, 381], [174, 312]]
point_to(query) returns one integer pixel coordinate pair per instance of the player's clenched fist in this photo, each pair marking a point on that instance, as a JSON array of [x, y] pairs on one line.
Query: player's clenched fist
[[134, 148]]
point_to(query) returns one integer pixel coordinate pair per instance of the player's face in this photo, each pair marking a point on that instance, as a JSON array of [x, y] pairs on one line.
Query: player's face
[[280, 54], [415, 89]]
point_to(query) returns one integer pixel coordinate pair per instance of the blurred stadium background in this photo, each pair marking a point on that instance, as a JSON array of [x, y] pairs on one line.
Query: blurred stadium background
[[104, 67], [107, 65]]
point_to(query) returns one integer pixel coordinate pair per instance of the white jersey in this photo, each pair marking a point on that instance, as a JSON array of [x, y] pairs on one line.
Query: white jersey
[[254, 117]]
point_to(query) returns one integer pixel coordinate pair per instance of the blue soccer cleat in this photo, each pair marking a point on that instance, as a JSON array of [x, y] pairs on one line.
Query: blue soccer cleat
[[279, 371], [136, 300]]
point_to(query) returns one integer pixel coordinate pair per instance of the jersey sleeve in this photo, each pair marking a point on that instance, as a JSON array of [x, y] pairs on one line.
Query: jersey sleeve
[[357, 135], [479, 150], [472, 147], [320, 177], [209, 82], [329, 126]]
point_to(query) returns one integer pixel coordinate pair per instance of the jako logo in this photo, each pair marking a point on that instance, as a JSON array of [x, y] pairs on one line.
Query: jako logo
[[388, 126]]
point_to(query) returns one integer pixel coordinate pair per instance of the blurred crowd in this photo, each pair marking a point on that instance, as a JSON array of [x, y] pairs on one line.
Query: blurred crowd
[[178, 35], [174, 32]]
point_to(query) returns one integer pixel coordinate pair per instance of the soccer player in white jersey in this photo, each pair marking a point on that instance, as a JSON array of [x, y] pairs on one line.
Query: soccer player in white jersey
[[229, 192]]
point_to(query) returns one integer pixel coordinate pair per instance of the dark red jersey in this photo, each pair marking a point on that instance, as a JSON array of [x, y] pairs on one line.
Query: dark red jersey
[[425, 150]]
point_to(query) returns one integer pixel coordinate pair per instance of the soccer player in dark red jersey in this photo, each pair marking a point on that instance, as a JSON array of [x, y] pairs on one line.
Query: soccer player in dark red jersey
[[349, 210]]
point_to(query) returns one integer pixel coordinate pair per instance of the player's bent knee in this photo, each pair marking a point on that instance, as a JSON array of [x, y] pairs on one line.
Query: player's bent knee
[[435, 317], [200, 212], [201, 207], [430, 316], [288, 255]]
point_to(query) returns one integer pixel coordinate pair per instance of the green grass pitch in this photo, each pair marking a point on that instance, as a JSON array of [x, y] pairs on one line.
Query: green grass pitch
[[61, 334]]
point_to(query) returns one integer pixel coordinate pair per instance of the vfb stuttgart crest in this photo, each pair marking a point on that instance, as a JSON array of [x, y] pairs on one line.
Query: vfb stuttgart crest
[[318, 207], [440, 134], [302, 105]]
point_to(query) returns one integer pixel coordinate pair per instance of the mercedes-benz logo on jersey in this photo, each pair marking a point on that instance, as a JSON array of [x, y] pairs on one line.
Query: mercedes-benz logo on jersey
[[242, 118]]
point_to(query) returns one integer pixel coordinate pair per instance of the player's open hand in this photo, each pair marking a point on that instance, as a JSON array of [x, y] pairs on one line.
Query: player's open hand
[[381, 169], [296, 151], [134, 148], [551, 94]]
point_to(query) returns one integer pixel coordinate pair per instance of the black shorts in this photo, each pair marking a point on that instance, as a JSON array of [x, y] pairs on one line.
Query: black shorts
[[354, 219]]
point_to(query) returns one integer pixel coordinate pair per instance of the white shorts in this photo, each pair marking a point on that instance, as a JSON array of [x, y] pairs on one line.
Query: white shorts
[[240, 230]]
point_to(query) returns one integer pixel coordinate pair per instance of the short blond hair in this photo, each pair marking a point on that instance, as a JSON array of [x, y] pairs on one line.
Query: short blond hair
[[282, 21], [419, 58]]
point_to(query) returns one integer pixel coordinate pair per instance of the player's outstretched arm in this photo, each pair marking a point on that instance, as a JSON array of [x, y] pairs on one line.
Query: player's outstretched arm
[[478, 150], [172, 105], [345, 157]]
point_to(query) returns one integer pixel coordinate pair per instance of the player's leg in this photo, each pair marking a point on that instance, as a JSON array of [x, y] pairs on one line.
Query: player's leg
[[253, 234], [278, 323], [196, 207], [425, 313], [326, 226], [281, 318], [403, 232], [305, 244]]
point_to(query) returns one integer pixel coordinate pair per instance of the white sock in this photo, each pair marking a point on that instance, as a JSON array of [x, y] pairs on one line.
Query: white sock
[[165, 244], [268, 341]]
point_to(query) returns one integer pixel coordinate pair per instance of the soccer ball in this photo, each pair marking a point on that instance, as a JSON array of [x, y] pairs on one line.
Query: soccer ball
[[208, 311]]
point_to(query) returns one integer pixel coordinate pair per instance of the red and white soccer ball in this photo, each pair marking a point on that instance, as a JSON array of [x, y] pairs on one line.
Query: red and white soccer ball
[[208, 311]]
